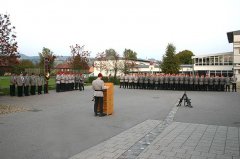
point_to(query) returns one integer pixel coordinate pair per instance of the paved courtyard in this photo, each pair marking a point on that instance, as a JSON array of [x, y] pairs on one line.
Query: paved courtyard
[[62, 125]]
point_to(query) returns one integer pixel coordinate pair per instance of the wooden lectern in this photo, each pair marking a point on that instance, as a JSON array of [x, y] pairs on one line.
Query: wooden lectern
[[108, 99]]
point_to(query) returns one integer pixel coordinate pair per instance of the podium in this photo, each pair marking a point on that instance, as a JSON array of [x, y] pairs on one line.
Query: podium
[[108, 102]]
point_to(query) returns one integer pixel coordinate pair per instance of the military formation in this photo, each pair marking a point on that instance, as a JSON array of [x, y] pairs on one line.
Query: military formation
[[178, 82], [68, 81], [25, 84]]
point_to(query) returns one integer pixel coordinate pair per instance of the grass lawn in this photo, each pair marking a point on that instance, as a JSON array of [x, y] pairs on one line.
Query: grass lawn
[[5, 82]]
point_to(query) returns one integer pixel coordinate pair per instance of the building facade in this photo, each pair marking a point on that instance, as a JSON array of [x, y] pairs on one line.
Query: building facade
[[227, 64]]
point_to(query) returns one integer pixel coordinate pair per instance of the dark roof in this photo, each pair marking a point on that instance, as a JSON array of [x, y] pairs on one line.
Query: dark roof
[[230, 35]]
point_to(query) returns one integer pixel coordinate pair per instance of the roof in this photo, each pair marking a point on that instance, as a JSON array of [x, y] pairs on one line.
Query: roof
[[214, 54], [230, 35], [63, 66]]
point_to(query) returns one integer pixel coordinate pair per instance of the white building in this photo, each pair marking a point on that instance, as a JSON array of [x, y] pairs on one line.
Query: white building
[[226, 64]]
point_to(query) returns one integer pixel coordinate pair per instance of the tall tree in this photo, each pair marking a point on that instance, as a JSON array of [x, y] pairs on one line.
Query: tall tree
[[101, 62], [129, 63], [48, 55], [170, 63], [185, 57], [113, 58], [79, 58], [8, 43]]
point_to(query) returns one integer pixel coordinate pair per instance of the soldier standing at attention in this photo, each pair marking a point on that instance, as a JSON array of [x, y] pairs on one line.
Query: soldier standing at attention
[[58, 81], [234, 83], [151, 78], [39, 83], [216, 83], [135, 81], [205, 82], [211, 80], [166, 79], [146, 82], [176, 82], [121, 81], [201, 79], [140, 82], [191, 83], [81, 87], [195, 81], [171, 82], [181, 81], [33, 84], [26, 84], [130, 81], [156, 82], [228, 82], [98, 87], [126, 81], [222, 83], [19, 82], [12, 84]]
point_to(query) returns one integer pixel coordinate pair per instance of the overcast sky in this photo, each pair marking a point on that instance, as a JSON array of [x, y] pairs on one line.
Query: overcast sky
[[145, 26]]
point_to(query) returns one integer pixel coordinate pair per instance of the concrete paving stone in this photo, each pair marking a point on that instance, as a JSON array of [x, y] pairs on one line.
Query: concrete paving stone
[[183, 155], [195, 153], [157, 157], [236, 157], [234, 153], [208, 155], [168, 154], [223, 157], [179, 150], [216, 152], [198, 157]]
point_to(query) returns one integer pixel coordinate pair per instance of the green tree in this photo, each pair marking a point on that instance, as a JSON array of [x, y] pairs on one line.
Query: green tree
[[185, 57], [114, 57], [129, 63], [48, 54], [170, 63], [22, 65]]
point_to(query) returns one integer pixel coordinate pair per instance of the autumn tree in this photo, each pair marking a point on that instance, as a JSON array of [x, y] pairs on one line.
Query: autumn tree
[[8, 43], [48, 55], [101, 62], [185, 57], [79, 58], [170, 63]]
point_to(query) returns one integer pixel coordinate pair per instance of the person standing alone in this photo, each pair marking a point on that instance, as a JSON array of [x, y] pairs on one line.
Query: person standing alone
[[98, 87]]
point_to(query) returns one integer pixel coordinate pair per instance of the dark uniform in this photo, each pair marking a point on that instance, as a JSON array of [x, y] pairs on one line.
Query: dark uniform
[[195, 82], [146, 82], [121, 81], [234, 83], [141, 82], [166, 82], [171, 82], [161, 82], [186, 82], [58, 81], [151, 82], [181, 82]]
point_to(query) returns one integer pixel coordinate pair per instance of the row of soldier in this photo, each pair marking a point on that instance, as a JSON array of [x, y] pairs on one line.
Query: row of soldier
[[66, 81], [25, 83], [178, 82]]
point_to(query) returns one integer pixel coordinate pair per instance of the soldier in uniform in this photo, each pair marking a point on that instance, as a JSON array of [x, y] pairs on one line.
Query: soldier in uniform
[[151, 82], [20, 83], [33, 84], [196, 82], [126, 81], [81, 87], [211, 80], [205, 83], [161, 82], [12, 84], [130, 81], [146, 79], [228, 82], [181, 81], [39, 83], [63, 84], [191, 82], [166, 82], [98, 87], [135, 81], [234, 83], [201, 80], [216, 83], [176, 82], [140, 82], [58, 81], [26, 84], [171, 82], [186, 82], [121, 81], [156, 82], [222, 83]]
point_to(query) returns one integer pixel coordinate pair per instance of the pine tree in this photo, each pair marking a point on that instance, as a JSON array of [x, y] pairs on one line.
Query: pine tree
[[170, 63]]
